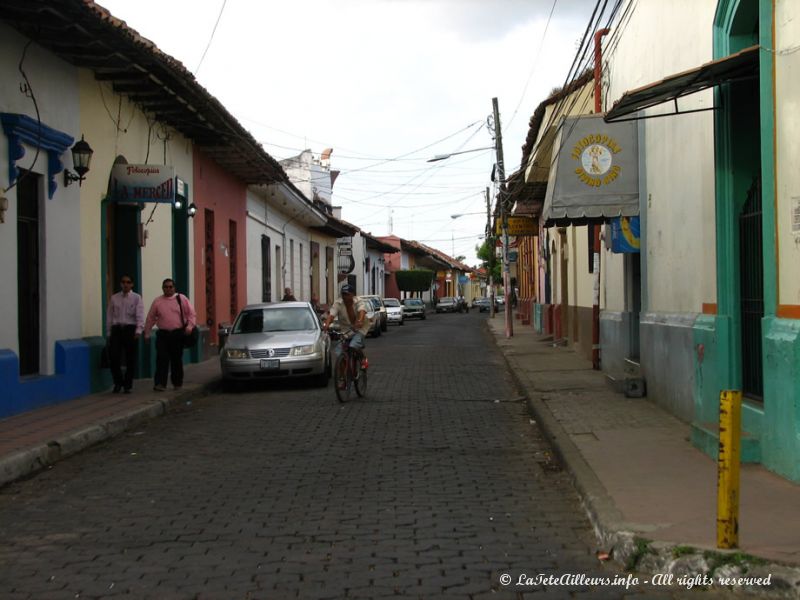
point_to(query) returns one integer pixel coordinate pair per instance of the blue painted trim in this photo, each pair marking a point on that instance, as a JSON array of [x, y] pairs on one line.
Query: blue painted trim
[[22, 128], [72, 379]]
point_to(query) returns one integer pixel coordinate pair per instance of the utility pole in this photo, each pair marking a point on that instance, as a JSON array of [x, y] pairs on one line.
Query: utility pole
[[501, 173], [491, 247], [596, 245]]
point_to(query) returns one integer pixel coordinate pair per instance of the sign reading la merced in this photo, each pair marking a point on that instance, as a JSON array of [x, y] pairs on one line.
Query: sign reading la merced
[[143, 183]]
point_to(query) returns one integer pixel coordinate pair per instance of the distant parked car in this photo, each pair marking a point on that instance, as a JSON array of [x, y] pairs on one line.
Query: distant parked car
[[413, 308], [384, 321], [374, 315], [394, 311], [483, 304], [277, 340], [446, 304]]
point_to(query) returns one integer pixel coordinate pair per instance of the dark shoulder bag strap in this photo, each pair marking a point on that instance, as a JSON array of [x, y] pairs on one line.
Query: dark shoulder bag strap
[[180, 306]]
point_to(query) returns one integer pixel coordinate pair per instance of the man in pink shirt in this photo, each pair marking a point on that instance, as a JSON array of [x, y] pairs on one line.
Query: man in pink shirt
[[124, 323], [175, 317]]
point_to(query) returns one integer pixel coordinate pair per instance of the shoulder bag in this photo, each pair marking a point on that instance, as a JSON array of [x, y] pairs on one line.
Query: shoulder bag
[[189, 339]]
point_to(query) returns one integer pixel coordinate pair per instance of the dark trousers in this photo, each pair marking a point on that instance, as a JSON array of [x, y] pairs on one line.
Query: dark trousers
[[169, 357], [122, 343]]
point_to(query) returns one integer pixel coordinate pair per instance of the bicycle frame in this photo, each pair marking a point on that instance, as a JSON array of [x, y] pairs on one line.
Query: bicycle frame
[[346, 373]]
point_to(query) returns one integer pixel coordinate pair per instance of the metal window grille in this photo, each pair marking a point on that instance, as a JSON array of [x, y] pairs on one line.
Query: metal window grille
[[751, 277]]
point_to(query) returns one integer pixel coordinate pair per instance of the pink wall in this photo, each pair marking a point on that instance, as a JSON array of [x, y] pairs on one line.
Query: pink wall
[[225, 195], [393, 264]]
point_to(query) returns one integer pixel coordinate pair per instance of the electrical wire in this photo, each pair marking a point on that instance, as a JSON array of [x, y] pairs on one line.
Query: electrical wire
[[535, 63], [27, 90], [210, 39]]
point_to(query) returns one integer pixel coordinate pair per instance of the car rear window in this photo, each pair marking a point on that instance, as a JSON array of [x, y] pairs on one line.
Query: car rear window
[[262, 320]]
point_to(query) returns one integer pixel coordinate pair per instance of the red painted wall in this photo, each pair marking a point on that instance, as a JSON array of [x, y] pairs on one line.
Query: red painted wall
[[393, 264], [225, 195]]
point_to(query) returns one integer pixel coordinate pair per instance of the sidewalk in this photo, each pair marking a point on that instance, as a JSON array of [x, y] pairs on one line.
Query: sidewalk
[[34, 440], [639, 476]]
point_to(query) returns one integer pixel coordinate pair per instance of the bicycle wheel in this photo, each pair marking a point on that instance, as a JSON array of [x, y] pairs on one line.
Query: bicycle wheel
[[361, 380], [341, 378]]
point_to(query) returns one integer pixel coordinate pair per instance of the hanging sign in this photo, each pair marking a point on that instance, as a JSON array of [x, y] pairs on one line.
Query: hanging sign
[[625, 235], [143, 183], [518, 226]]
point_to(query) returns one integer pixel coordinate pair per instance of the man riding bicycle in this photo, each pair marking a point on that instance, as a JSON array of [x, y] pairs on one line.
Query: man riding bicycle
[[352, 314]]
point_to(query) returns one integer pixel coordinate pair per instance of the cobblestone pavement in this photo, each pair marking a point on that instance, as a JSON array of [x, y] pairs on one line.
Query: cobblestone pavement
[[437, 485]]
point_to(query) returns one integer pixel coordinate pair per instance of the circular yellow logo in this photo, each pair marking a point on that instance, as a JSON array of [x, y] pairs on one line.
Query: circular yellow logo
[[596, 159], [596, 156]]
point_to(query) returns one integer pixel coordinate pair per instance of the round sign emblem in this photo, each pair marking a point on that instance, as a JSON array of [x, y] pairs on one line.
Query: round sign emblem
[[596, 159]]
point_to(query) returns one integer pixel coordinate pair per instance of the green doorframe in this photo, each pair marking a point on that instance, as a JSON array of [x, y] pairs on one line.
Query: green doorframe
[[728, 309], [105, 205], [180, 245], [717, 337]]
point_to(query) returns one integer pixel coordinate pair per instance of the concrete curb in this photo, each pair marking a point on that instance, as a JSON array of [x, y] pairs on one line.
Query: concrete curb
[[632, 549], [29, 461]]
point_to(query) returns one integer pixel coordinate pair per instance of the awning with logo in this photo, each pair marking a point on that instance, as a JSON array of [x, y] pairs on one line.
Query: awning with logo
[[595, 173], [738, 66]]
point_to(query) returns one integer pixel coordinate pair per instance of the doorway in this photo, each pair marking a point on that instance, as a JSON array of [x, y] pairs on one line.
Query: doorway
[[29, 272], [633, 299]]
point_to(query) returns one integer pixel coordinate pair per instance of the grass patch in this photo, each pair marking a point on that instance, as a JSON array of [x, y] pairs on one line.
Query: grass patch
[[741, 560], [679, 551], [641, 548]]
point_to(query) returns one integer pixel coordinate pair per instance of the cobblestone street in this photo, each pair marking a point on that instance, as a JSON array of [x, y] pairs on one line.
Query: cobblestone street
[[436, 485]]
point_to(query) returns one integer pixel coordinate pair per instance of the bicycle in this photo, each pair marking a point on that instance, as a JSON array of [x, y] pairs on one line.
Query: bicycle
[[350, 369]]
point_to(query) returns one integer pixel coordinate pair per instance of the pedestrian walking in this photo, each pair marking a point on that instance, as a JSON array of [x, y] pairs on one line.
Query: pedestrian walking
[[175, 317], [124, 325], [288, 296], [316, 305]]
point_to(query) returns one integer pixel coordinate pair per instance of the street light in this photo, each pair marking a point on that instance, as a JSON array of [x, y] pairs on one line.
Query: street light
[[446, 156], [465, 214]]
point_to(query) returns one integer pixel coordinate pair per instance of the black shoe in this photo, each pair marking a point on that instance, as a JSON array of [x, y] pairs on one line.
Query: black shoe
[[117, 389]]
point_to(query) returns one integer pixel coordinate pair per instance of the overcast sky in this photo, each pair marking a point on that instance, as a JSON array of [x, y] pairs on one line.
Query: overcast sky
[[380, 82]]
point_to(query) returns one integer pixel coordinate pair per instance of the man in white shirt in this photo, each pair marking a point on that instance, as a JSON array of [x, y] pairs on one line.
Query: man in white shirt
[[124, 325]]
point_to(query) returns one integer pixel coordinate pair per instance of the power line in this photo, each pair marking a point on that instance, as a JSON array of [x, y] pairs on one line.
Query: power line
[[535, 63], [213, 31]]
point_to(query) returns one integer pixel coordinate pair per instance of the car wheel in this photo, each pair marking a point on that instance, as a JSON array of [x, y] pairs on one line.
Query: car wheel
[[321, 380], [424, 317], [384, 325], [402, 322]]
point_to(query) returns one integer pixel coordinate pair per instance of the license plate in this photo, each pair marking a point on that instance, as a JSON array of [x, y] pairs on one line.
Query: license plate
[[270, 363]]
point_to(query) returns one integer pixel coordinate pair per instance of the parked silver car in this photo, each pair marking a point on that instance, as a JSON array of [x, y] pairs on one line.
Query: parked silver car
[[274, 341], [413, 308], [446, 304], [382, 315], [394, 311]]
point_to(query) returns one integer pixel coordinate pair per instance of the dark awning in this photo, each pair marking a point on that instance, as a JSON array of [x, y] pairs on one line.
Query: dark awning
[[742, 65]]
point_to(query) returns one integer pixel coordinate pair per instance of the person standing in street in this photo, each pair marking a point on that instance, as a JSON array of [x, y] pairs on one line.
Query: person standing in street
[[288, 296], [175, 317], [124, 325]]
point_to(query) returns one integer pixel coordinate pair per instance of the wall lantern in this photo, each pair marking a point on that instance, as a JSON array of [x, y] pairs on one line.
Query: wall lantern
[[81, 158], [192, 209]]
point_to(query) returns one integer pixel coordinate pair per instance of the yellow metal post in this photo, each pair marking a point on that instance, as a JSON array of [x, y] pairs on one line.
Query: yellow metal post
[[730, 427]]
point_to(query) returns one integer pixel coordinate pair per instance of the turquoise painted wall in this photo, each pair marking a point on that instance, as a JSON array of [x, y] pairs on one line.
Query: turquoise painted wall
[[781, 433], [776, 423]]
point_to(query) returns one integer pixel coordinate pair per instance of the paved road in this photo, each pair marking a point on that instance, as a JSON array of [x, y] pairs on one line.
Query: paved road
[[436, 486]]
